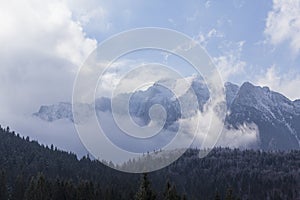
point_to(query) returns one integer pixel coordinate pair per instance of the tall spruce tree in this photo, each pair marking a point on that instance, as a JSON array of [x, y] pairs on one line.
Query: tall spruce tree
[[217, 196], [43, 191], [3, 187], [229, 195], [170, 192], [30, 192], [19, 188], [145, 192]]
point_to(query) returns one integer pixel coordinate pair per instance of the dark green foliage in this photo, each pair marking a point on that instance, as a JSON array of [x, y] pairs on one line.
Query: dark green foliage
[[3, 186], [30, 192], [29, 171], [170, 192], [217, 197], [229, 195], [145, 191], [85, 191], [39, 189], [19, 188]]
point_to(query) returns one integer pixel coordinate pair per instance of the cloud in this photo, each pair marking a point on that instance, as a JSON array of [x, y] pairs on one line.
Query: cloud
[[93, 16], [60, 133], [199, 129], [230, 64], [41, 50], [46, 27], [207, 4], [212, 132], [204, 38], [285, 83], [283, 24], [245, 136], [193, 17], [129, 75]]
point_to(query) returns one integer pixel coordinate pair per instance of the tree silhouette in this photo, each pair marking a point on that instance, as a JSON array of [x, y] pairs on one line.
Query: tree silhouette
[[19, 188], [3, 187], [170, 192], [145, 192], [229, 195]]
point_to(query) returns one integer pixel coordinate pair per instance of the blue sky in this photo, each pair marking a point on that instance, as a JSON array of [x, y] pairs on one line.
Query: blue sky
[[43, 44], [234, 33]]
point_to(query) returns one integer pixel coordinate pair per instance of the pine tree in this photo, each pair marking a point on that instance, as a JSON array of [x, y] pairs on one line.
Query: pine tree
[[98, 192], [42, 188], [39, 189], [3, 187], [19, 188], [85, 190], [170, 192], [69, 190], [217, 196], [58, 190], [30, 192], [145, 192], [229, 195]]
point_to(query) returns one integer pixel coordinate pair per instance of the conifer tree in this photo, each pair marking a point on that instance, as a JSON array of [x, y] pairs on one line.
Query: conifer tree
[[19, 188], [229, 195], [30, 192], [170, 192], [145, 192], [42, 188], [217, 196], [3, 187]]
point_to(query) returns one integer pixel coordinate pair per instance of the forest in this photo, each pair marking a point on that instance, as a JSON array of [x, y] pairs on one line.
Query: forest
[[31, 171]]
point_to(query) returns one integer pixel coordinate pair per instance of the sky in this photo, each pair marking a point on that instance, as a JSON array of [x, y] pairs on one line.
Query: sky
[[44, 43]]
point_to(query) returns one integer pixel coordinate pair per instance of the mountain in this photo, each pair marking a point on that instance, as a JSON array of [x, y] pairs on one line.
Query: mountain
[[62, 110], [276, 117]]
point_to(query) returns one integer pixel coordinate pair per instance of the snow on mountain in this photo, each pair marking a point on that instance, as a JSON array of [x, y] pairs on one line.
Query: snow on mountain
[[276, 117], [62, 110], [231, 92]]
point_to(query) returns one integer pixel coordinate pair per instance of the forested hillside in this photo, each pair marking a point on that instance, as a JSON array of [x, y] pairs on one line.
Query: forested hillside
[[31, 171]]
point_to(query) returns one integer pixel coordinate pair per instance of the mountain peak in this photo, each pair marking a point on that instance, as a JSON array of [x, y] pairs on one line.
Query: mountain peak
[[247, 85], [276, 117]]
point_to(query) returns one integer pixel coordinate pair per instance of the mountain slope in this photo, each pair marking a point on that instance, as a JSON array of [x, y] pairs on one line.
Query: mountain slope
[[276, 117]]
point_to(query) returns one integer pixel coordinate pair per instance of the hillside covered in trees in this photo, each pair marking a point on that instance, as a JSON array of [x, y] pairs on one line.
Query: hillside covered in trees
[[30, 171]]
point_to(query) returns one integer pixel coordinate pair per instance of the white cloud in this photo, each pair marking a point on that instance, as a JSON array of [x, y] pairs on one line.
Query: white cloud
[[41, 46], [193, 17], [207, 4], [230, 64], [172, 22], [287, 83], [61, 133], [45, 27], [245, 136], [91, 14], [41, 50], [283, 23], [203, 130], [204, 38]]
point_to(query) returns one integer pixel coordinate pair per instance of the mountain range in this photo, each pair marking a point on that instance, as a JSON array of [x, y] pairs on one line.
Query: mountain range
[[276, 117]]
